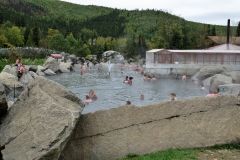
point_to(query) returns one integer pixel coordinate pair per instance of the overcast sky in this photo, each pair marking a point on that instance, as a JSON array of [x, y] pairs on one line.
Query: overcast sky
[[205, 11]]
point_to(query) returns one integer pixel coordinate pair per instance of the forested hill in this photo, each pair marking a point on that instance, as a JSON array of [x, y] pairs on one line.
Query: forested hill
[[85, 30]]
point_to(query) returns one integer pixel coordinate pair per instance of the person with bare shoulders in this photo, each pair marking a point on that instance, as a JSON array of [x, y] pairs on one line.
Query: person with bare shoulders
[[130, 80], [92, 95], [173, 97], [87, 100]]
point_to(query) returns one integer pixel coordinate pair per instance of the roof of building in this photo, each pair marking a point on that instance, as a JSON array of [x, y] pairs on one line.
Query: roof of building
[[225, 47], [155, 50]]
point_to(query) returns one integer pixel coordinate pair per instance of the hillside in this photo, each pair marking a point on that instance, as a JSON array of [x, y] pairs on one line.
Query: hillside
[[96, 29]]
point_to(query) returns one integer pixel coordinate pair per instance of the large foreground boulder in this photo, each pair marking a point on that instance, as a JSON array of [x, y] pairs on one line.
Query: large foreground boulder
[[208, 71], [115, 133], [3, 101], [217, 80], [40, 122], [52, 64]]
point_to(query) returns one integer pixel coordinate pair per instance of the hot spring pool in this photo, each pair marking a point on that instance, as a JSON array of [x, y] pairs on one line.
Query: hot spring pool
[[112, 92]]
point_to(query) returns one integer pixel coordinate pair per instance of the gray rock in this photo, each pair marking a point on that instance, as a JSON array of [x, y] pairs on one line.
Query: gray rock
[[41, 68], [230, 89], [3, 101], [217, 80], [49, 72], [208, 71], [40, 73], [113, 56], [65, 67], [207, 82], [9, 80], [26, 78], [40, 122], [235, 76], [115, 133], [52, 64], [11, 70], [10, 103], [33, 68], [33, 74]]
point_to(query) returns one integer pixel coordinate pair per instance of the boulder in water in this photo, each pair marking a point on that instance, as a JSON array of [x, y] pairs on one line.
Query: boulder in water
[[40, 122], [230, 89], [113, 57], [217, 80], [235, 76], [208, 71], [65, 67], [52, 64], [49, 72]]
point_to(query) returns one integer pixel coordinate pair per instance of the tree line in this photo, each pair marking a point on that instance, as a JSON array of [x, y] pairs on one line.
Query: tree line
[[95, 31]]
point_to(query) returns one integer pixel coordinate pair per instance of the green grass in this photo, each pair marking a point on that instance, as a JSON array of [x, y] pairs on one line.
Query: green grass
[[180, 154], [29, 61], [26, 61], [171, 154]]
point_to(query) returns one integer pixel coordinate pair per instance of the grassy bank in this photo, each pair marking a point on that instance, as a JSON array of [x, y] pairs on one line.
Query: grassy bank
[[223, 152], [26, 61]]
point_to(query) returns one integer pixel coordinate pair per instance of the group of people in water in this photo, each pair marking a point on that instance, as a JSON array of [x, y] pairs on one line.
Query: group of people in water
[[128, 80]]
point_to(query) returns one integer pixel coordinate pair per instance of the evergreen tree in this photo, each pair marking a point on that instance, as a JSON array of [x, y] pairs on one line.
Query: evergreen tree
[[238, 30], [26, 35], [208, 30], [36, 36], [213, 33]]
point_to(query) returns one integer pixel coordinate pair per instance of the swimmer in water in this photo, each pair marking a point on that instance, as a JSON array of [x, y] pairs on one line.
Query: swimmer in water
[[87, 100], [92, 95], [142, 97], [128, 103], [130, 80], [173, 97], [125, 80], [184, 77]]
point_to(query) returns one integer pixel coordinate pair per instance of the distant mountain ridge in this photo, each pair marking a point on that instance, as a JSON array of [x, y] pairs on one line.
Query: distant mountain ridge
[[132, 31]]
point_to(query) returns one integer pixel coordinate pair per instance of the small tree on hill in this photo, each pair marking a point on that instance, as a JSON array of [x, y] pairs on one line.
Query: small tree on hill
[[213, 31], [36, 37], [238, 30]]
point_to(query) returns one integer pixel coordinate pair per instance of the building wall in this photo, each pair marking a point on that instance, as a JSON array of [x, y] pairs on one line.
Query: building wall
[[164, 62]]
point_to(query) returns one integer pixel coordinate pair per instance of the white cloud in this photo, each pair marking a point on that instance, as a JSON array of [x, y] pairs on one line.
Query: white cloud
[[206, 11]]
